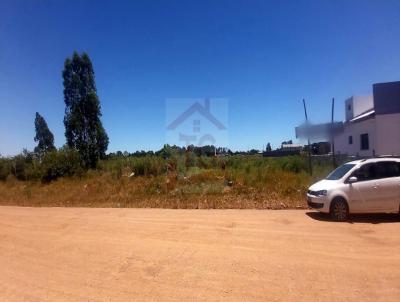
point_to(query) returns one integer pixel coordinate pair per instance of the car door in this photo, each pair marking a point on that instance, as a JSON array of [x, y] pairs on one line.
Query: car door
[[388, 183], [397, 205], [364, 194]]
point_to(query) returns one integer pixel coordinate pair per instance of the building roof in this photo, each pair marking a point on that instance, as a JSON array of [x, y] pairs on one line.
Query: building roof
[[291, 146], [364, 116]]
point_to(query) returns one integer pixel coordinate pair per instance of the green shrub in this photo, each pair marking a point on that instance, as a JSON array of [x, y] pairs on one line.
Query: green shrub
[[5, 168], [141, 166], [65, 162]]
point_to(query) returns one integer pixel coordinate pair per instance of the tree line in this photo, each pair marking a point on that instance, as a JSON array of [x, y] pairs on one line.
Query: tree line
[[86, 138]]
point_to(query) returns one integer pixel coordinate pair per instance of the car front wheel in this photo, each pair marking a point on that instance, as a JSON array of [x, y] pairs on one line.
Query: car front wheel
[[339, 210]]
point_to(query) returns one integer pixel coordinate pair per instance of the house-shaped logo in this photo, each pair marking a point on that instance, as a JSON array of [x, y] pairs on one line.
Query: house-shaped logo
[[196, 124]]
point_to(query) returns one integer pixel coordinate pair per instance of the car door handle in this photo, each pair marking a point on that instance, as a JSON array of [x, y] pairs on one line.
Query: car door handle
[[376, 186]]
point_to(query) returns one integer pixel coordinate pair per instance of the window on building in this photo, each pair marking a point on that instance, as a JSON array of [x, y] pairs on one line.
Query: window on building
[[350, 140], [348, 107], [364, 141]]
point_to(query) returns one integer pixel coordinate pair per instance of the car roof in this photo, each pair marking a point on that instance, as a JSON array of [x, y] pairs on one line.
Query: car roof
[[374, 159]]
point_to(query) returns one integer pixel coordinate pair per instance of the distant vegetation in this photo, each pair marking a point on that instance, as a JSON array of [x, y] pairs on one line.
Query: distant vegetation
[[173, 181], [82, 174]]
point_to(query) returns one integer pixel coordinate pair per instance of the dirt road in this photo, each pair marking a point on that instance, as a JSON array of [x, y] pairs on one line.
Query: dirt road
[[81, 254]]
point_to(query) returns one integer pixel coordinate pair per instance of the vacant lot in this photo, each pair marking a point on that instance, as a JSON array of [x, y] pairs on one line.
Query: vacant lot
[[185, 181], [82, 254]]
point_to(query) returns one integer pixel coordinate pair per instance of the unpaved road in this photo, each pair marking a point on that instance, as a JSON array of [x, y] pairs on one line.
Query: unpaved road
[[78, 254]]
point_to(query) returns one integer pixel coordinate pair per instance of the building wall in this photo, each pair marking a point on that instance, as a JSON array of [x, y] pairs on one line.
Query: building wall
[[348, 108], [357, 105], [355, 130], [388, 134], [387, 98], [383, 128]]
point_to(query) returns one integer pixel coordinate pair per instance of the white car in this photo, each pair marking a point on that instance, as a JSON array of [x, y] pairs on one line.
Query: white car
[[361, 186]]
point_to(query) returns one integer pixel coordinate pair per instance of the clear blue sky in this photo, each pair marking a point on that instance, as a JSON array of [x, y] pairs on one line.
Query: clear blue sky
[[264, 56]]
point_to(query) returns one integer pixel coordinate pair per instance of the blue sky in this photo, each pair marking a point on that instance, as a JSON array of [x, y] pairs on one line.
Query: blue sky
[[263, 56]]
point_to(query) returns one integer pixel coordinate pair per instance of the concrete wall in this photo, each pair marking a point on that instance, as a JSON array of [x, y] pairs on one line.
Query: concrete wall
[[388, 134], [348, 108], [342, 145], [357, 105], [383, 132]]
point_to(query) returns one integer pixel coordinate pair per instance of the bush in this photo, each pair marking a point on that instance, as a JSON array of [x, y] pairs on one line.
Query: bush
[[22, 166], [294, 164], [55, 164], [5, 168], [65, 162], [142, 166]]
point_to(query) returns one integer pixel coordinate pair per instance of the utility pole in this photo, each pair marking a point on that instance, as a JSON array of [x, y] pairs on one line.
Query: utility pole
[[333, 135], [308, 139]]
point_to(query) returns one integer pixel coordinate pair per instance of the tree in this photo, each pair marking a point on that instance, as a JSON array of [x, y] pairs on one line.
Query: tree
[[43, 136], [253, 151], [165, 152], [83, 128], [268, 147]]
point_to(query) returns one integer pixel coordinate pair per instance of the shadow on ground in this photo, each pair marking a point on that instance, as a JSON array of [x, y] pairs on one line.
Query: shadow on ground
[[359, 218]]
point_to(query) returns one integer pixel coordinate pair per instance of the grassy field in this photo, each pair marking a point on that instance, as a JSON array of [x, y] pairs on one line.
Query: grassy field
[[186, 181]]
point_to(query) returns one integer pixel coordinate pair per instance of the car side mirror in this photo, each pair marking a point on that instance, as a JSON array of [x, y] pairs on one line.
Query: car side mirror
[[352, 179]]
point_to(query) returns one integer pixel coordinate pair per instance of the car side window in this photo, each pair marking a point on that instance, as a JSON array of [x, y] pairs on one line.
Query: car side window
[[365, 172], [388, 169], [379, 170]]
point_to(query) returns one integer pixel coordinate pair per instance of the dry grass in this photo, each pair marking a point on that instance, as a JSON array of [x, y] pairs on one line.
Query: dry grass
[[203, 189], [245, 182]]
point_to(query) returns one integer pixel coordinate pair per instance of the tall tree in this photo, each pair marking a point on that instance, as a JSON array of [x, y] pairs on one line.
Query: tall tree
[[43, 136], [268, 147], [83, 128]]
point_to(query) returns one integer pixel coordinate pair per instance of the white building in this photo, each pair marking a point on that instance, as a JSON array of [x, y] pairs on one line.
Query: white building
[[358, 136], [372, 125], [291, 147]]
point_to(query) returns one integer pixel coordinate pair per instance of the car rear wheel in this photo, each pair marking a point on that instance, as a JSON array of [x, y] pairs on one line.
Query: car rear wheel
[[339, 210]]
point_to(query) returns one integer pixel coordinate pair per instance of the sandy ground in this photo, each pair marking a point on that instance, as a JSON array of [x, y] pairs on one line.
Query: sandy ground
[[81, 254]]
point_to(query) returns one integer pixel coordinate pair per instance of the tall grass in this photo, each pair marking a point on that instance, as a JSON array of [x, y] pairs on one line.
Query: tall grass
[[180, 181]]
